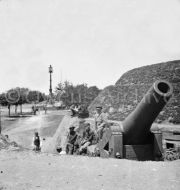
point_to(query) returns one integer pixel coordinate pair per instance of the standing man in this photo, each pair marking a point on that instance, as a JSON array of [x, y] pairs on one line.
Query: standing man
[[100, 121], [45, 108]]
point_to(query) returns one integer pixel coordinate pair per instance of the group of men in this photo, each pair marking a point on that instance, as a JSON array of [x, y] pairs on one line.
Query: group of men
[[78, 142]]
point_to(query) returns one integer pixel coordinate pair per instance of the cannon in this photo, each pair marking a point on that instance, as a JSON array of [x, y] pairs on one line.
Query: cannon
[[135, 137]]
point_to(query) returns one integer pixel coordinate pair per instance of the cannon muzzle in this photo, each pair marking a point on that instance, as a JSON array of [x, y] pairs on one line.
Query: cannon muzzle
[[136, 127]]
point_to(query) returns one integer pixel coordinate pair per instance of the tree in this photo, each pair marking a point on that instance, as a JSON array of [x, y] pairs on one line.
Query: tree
[[23, 97], [69, 94], [64, 92], [35, 96], [92, 93], [12, 96], [16, 97], [19, 96], [3, 102], [81, 92]]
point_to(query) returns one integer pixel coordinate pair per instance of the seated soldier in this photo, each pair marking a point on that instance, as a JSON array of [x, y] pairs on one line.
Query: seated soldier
[[77, 144], [79, 130], [88, 139], [71, 138]]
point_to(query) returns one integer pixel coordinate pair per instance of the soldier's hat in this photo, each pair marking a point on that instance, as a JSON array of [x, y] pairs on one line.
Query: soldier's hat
[[98, 107], [82, 121]]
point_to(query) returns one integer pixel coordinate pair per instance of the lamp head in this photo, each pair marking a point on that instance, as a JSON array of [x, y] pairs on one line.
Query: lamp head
[[50, 69]]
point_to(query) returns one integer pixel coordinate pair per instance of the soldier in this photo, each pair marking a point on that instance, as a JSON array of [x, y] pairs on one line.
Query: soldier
[[77, 143], [45, 108], [80, 131], [100, 121], [87, 139], [71, 138]]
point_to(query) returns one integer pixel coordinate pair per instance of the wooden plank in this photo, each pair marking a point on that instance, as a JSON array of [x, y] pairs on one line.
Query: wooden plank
[[157, 146], [138, 152], [105, 139], [116, 145]]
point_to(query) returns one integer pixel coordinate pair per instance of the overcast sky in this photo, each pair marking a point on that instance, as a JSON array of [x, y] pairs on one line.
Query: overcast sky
[[86, 41]]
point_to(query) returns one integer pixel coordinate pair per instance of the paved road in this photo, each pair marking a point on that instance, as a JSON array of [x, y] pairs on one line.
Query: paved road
[[22, 129]]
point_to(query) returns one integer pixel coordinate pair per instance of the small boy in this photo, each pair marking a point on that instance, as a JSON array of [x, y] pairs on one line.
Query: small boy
[[36, 142]]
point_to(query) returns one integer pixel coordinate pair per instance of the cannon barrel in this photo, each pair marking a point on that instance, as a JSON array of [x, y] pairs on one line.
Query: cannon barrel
[[136, 127]]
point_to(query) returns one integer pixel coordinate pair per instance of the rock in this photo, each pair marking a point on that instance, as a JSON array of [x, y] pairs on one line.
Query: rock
[[5, 143], [62, 153]]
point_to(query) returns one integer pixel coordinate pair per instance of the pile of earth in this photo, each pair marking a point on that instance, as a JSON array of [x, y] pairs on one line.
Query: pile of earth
[[121, 99], [5, 143]]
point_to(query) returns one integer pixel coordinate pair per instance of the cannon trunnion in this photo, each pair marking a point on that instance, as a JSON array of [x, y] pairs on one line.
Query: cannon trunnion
[[134, 138]]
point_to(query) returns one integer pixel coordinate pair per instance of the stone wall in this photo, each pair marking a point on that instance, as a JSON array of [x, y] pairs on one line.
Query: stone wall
[[122, 98]]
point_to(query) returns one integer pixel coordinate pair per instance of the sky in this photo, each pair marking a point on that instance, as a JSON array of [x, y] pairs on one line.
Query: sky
[[85, 41]]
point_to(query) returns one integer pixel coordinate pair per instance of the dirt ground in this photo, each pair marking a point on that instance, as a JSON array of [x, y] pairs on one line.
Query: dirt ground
[[23, 170], [27, 170]]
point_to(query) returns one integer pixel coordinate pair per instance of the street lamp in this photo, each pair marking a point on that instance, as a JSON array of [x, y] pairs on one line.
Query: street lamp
[[0, 119], [50, 88]]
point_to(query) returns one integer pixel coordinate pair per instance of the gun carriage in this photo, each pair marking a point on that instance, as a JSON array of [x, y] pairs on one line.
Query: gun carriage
[[136, 137]]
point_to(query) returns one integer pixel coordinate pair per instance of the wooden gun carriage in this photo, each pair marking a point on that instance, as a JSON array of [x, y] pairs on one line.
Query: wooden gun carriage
[[135, 138]]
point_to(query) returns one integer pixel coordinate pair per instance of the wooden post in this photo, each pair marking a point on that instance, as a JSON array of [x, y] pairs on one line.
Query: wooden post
[[157, 151], [116, 145], [0, 120], [103, 142]]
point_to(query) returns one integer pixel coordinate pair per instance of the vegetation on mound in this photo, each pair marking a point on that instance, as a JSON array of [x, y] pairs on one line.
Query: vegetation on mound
[[122, 98]]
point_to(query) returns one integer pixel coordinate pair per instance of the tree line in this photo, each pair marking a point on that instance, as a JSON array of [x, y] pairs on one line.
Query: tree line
[[76, 94], [65, 92], [19, 96]]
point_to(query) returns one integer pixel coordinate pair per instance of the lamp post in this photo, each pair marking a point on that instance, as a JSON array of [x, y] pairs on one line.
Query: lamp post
[[50, 87], [0, 120]]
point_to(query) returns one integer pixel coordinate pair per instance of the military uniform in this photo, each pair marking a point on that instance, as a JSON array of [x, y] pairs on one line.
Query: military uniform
[[100, 123], [71, 139], [87, 140]]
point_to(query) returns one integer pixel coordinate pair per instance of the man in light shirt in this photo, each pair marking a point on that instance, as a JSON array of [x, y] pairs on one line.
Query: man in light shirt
[[100, 121]]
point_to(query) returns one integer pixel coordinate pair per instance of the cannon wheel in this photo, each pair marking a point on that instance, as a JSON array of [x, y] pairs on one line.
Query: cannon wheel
[[171, 154]]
